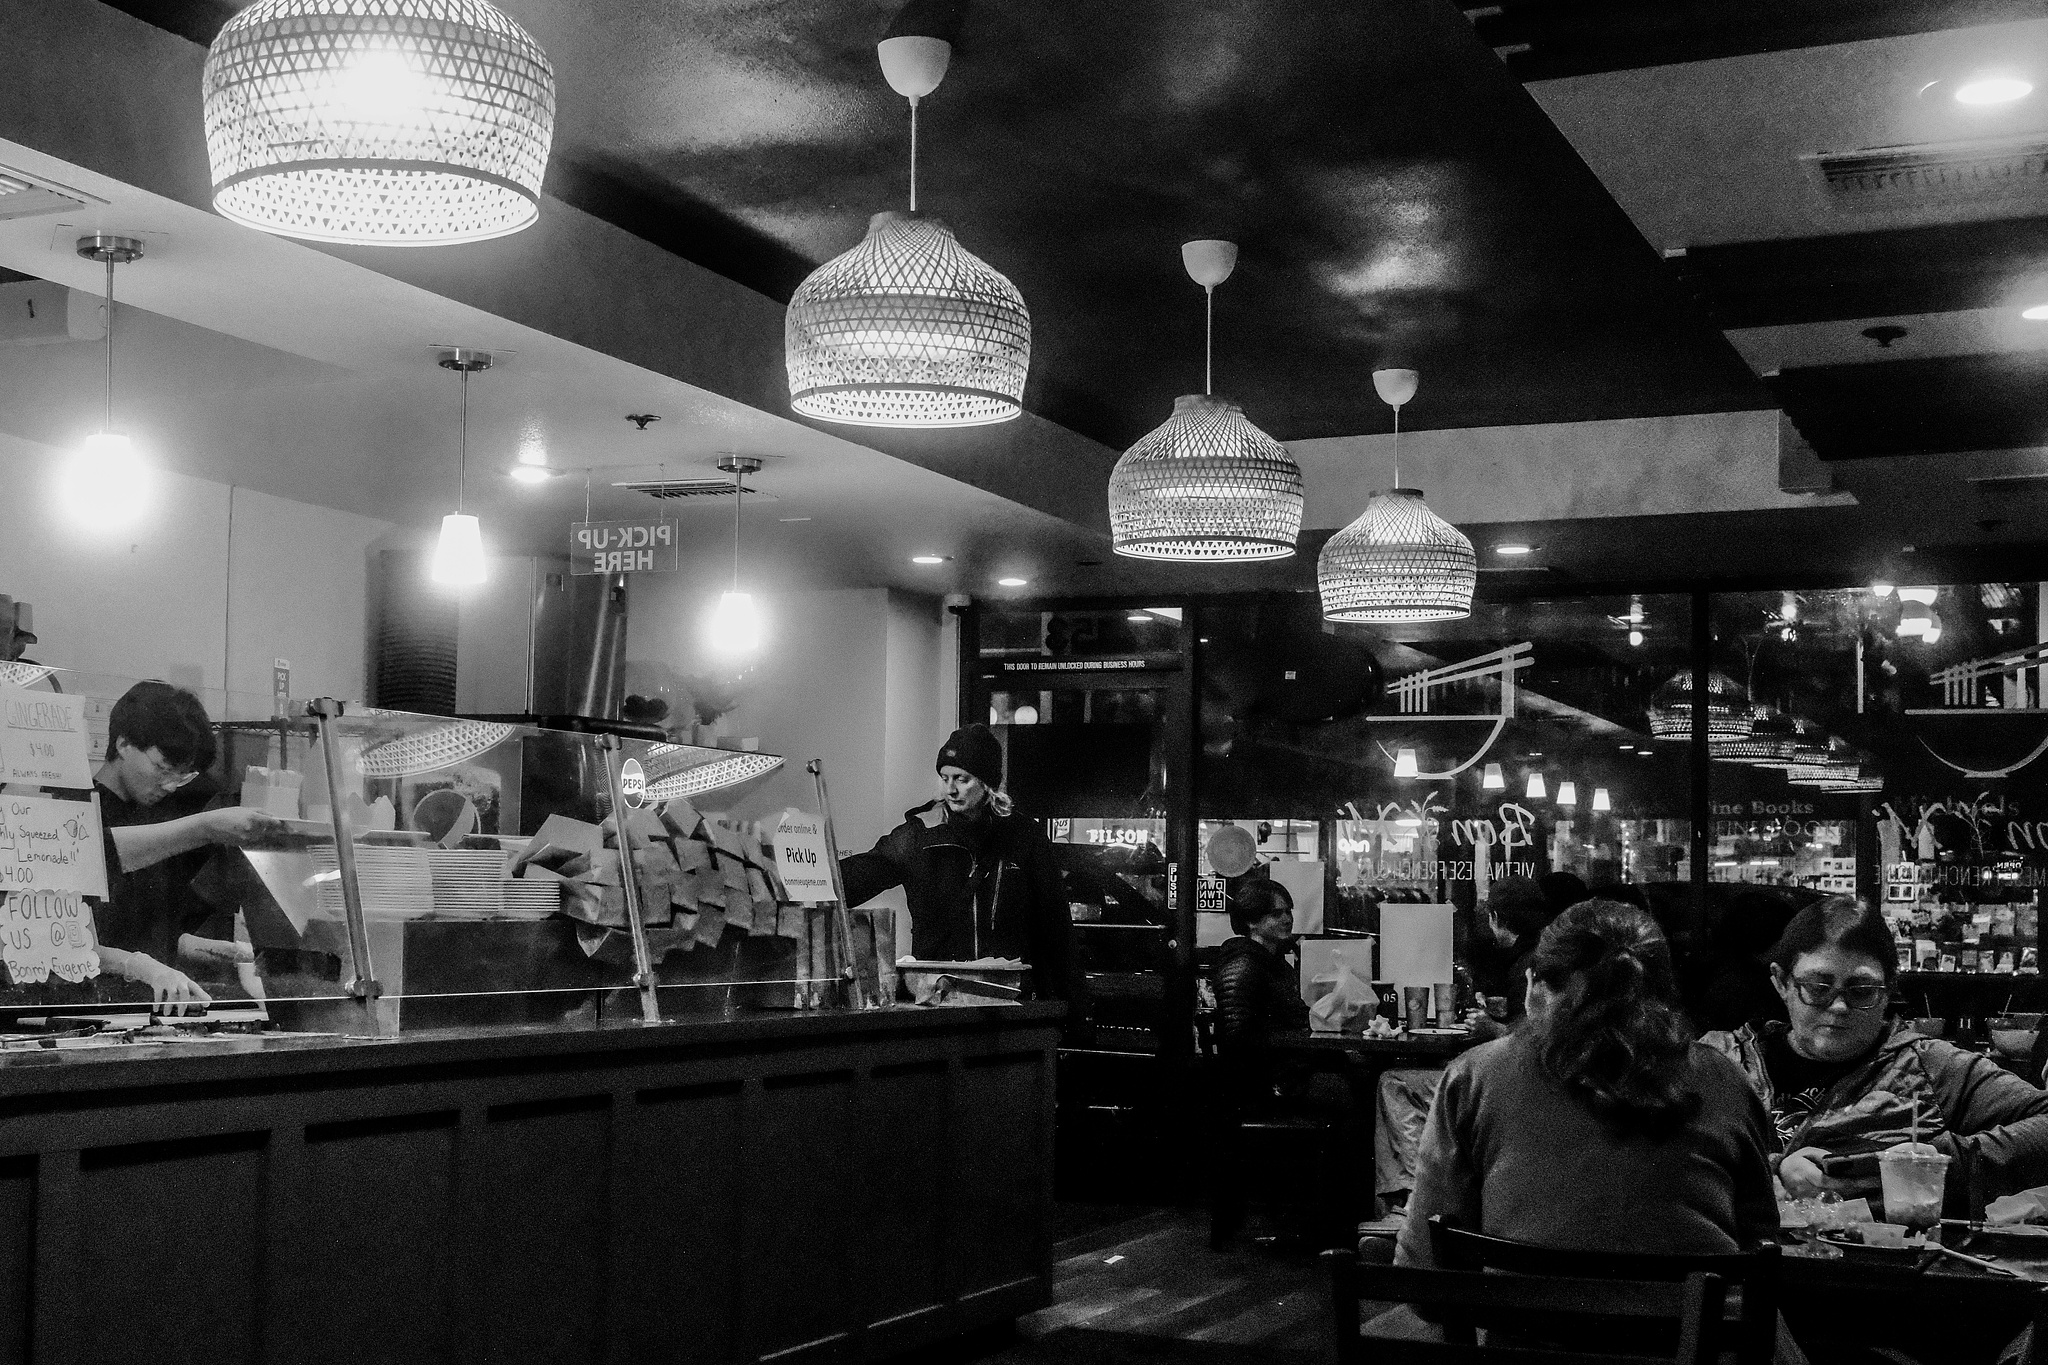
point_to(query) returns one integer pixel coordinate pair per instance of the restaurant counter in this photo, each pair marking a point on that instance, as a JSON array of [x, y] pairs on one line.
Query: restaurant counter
[[802, 1185]]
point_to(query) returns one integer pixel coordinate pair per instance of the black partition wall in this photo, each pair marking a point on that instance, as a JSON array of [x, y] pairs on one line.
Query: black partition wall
[[1889, 741]]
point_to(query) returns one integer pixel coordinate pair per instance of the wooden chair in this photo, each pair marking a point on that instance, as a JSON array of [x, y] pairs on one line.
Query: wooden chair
[[1465, 1301], [1747, 1326]]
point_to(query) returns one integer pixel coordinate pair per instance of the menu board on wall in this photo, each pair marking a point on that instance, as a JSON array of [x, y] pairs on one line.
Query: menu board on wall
[[48, 845], [43, 739]]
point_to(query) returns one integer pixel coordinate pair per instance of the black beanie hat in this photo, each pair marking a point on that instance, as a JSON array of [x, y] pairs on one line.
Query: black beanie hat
[[974, 749]]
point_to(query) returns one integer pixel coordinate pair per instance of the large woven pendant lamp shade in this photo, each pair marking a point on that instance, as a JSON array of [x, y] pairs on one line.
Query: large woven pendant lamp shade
[[378, 122], [1399, 561], [1206, 485], [909, 328]]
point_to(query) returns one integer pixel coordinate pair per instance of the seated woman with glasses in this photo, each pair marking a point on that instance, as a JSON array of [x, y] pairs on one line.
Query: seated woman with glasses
[[158, 742], [1841, 1082]]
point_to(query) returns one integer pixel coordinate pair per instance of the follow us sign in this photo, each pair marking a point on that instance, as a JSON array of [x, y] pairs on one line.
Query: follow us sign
[[624, 547]]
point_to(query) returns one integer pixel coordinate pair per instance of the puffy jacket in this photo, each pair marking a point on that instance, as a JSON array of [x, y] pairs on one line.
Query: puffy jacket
[[984, 886], [1992, 1124], [1257, 991]]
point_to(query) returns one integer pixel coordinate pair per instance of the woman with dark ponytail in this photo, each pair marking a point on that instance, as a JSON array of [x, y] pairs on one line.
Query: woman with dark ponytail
[[1597, 1124]]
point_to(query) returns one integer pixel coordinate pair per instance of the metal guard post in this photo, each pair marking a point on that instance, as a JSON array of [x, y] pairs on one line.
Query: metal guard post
[[842, 924], [629, 882], [325, 711]]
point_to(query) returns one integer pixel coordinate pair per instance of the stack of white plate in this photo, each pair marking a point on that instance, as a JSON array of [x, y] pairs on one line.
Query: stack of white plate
[[468, 883], [396, 883], [534, 899]]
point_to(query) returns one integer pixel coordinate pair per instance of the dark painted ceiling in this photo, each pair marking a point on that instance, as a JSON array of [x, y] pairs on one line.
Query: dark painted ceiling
[[1398, 198]]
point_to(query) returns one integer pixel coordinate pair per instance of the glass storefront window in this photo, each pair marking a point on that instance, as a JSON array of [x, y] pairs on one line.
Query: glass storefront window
[[1438, 757], [1920, 735]]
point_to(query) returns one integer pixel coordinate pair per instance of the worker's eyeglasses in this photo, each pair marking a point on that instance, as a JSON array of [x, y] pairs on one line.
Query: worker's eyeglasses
[[1861, 995], [167, 777]]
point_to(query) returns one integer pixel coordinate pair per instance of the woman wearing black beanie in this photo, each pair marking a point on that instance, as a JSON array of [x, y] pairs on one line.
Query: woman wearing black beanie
[[979, 880]]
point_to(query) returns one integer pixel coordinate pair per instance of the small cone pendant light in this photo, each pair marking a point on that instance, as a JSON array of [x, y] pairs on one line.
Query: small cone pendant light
[[1399, 561], [459, 555], [1206, 485], [105, 484]]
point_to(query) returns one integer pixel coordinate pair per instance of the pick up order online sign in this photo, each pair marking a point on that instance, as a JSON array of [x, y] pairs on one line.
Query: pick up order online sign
[[624, 547]]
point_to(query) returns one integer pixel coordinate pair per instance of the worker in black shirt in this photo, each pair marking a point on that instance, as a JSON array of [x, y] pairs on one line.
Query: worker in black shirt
[[158, 742]]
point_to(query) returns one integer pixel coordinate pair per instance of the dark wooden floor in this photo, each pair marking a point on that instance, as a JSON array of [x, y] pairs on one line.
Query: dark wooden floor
[[1147, 1290]]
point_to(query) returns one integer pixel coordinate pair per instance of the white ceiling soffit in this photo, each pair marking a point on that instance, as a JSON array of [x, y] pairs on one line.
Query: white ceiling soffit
[[1975, 331], [1633, 467], [251, 360], [1702, 153]]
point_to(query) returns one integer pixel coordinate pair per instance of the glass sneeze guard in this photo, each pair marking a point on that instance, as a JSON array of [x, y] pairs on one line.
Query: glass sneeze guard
[[478, 879]]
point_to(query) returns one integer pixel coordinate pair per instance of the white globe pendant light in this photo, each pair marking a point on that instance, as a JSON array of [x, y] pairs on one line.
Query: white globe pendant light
[[1399, 561], [378, 122], [1206, 485], [104, 485], [909, 328], [459, 554]]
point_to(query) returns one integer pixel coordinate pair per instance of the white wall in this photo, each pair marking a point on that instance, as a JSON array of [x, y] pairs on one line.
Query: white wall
[[175, 596], [853, 677]]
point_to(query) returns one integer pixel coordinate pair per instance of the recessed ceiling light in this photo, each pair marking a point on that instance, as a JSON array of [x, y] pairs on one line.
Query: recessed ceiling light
[[1628, 746], [2038, 313], [929, 559], [792, 518], [1513, 548], [1993, 90], [1012, 582], [532, 473], [1137, 618]]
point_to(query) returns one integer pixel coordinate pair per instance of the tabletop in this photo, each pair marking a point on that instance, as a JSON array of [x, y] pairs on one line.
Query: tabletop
[[1404, 1046]]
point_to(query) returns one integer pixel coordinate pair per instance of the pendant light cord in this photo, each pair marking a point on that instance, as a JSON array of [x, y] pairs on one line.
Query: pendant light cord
[[739, 497], [913, 154], [1397, 445], [110, 345], [462, 475], [1209, 339]]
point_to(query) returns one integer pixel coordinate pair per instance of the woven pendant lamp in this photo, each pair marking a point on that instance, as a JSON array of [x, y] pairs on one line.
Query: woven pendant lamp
[[909, 328], [1399, 561], [1728, 712], [1206, 485], [378, 122]]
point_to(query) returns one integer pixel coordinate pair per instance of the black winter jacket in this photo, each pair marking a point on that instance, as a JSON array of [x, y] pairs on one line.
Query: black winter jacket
[[983, 886], [1257, 992]]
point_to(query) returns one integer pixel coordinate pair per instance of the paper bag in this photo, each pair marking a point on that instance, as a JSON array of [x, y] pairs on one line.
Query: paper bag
[[1350, 1003]]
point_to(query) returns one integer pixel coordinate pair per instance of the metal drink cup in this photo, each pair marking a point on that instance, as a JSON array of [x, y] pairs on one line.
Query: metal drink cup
[[1415, 1006], [1914, 1179]]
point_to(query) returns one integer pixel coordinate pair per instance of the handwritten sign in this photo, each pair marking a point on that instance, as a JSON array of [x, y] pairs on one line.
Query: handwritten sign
[[802, 859], [44, 933], [624, 547], [43, 739], [51, 846]]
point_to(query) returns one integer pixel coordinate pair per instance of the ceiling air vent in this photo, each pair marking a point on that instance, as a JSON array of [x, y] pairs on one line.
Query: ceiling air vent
[[24, 196], [2001, 173], [668, 489]]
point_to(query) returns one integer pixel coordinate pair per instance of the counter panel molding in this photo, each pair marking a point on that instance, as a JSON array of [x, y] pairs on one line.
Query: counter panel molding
[[831, 1188]]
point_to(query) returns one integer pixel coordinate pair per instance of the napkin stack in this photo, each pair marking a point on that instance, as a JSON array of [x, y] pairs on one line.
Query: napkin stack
[[697, 877]]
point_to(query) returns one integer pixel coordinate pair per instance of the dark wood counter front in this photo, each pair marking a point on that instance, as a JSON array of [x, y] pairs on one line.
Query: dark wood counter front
[[775, 1187]]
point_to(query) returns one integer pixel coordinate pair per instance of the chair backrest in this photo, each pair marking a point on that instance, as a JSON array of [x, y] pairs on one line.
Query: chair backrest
[[1460, 1298], [1748, 1324]]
